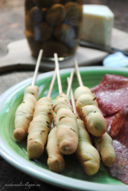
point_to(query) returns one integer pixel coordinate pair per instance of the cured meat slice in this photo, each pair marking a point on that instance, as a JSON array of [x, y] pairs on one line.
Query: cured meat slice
[[119, 169], [112, 93], [118, 122], [112, 97], [118, 129]]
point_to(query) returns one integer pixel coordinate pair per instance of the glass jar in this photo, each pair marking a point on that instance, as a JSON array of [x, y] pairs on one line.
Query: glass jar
[[54, 26]]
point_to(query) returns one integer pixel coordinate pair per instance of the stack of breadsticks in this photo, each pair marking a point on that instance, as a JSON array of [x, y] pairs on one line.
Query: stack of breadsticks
[[77, 128]]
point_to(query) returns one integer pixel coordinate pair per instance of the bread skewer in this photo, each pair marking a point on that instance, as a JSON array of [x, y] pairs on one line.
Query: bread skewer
[[87, 108], [25, 110], [65, 120], [86, 152], [40, 125], [55, 159], [105, 147]]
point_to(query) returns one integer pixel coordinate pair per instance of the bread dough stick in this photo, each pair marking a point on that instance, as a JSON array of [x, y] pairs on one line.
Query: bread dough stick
[[24, 113], [61, 101], [84, 96], [39, 128], [88, 110], [55, 158], [106, 149], [41, 124], [67, 130], [67, 135], [86, 152], [94, 120]]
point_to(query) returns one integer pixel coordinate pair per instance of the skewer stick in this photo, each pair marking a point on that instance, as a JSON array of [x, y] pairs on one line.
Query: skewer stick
[[52, 84], [72, 99], [70, 83], [73, 102], [37, 67], [58, 73], [78, 73]]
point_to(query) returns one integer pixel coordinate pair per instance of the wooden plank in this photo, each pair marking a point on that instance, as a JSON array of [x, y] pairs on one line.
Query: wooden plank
[[19, 55]]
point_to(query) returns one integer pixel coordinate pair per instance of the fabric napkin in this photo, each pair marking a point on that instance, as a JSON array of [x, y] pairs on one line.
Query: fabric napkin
[[117, 59]]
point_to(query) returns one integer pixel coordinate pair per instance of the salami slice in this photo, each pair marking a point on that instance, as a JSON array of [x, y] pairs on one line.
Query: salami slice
[[119, 169], [112, 93], [112, 97], [118, 122]]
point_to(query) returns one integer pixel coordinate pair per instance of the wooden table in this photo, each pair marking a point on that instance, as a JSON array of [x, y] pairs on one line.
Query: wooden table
[[11, 28]]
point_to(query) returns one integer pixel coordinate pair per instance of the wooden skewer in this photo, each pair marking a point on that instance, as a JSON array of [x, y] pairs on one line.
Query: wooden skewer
[[58, 73], [72, 98], [78, 73], [70, 83], [37, 67], [52, 84], [73, 103]]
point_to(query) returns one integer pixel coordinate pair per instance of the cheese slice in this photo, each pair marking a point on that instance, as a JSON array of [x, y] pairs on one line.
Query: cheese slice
[[97, 24]]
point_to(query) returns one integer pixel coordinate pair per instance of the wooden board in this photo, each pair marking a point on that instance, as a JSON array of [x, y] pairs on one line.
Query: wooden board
[[19, 56]]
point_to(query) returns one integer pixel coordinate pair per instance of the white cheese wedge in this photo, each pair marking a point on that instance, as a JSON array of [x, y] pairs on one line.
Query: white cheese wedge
[[97, 24]]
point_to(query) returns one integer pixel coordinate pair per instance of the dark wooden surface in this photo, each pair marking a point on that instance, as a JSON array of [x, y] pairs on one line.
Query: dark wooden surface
[[11, 29]]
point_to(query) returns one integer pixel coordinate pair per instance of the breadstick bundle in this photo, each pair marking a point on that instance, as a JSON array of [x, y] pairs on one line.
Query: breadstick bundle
[[65, 120], [70, 134], [88, 110], [25, 110]]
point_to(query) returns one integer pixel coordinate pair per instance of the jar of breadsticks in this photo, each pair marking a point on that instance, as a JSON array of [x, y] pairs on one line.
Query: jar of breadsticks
[[54, 26]]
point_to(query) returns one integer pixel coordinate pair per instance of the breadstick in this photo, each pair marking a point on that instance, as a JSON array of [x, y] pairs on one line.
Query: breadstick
[[106, 149], [40, 125], [65, 120], [88, 110], [86, 152], [55, 158], [25, 110]]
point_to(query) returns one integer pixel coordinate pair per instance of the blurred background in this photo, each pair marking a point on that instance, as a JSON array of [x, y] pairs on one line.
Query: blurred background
[[12, 17]]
